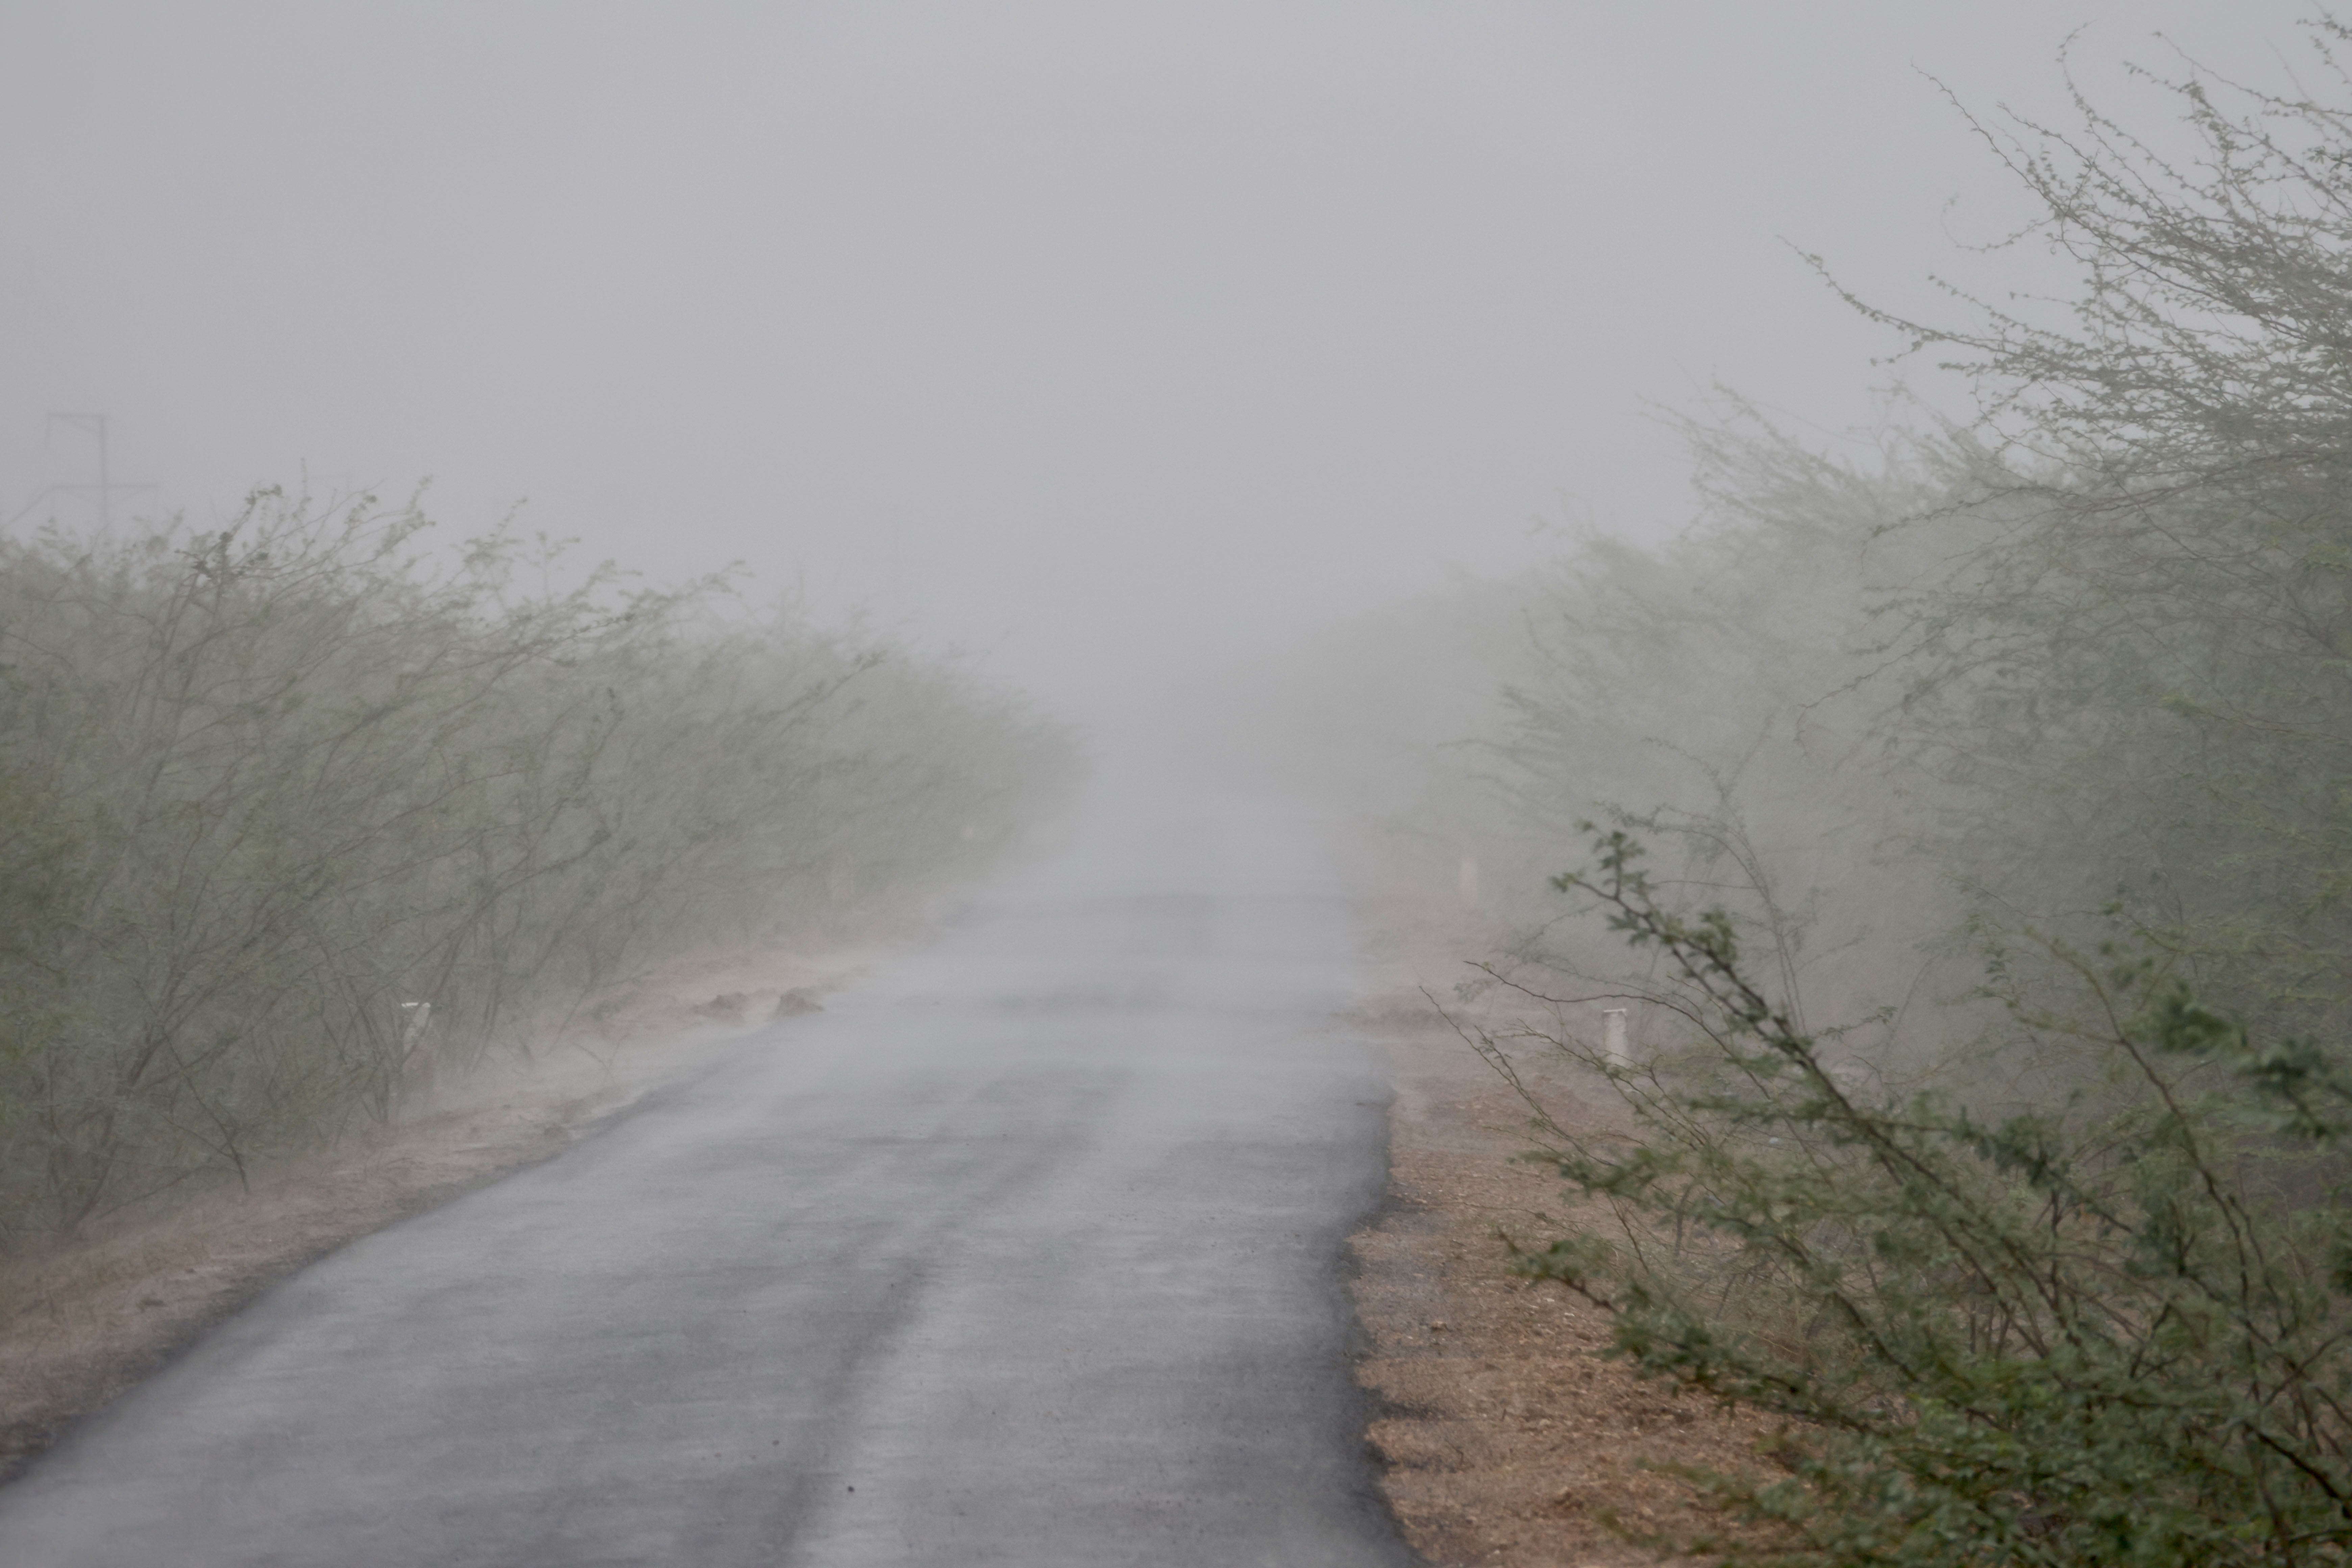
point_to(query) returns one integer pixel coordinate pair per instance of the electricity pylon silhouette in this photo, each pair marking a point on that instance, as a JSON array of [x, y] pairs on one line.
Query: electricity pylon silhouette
[[105, 489]]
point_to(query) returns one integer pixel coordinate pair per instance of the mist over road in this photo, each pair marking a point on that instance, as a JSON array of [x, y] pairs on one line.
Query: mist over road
[[1028, 1250]]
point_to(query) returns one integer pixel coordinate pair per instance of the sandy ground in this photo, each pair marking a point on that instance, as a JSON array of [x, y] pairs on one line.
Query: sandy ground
[[80, 1324], [1507, 1436]]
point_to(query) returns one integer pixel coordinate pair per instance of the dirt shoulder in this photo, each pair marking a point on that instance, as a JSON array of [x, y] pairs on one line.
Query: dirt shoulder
[[1505, 1437], [80, 1324]]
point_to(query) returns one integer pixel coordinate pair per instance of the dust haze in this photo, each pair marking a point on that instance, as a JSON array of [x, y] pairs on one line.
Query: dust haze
[[1794, 552], [1096, 343]]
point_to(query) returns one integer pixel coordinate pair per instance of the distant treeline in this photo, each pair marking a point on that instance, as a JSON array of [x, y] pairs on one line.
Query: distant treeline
[[1969, 833], [265, 787]]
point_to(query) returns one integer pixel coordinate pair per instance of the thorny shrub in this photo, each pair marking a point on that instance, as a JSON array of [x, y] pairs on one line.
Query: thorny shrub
[[263, 786], [2112, 1330]]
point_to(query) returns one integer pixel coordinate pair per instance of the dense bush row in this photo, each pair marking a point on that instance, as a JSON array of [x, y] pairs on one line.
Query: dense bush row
[[263, 786], [1993, 969]]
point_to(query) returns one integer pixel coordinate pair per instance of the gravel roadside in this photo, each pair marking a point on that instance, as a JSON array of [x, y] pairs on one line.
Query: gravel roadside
[[1506, 1434]]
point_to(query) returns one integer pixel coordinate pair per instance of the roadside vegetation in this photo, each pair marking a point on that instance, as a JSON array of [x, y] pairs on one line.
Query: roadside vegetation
[[1966, 836], [296, 812]]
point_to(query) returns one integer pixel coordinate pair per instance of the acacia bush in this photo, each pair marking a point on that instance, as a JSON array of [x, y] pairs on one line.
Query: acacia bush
[[2112, 1330], [261, 786], [1987, 1110]]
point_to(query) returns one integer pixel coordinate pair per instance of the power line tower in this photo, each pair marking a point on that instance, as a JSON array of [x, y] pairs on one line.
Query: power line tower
[[104, 491]]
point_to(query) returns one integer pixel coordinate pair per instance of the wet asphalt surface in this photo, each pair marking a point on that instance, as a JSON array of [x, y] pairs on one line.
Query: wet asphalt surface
[[1028, 1250]]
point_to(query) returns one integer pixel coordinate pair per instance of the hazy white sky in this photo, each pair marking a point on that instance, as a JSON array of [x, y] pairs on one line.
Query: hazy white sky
[[1102, 336]]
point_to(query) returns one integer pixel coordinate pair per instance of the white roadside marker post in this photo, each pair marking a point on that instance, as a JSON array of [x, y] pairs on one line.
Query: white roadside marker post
[[417, 1049], [1613, 1037]]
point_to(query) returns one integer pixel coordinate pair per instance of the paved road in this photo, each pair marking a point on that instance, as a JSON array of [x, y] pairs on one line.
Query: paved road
[[1026, 1252]]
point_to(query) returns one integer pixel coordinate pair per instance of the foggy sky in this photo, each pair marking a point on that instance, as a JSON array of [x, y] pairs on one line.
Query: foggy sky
[[1102, 338]]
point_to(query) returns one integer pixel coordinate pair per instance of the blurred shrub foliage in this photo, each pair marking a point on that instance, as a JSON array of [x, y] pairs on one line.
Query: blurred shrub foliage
[[262, 786], [1988, 1110]]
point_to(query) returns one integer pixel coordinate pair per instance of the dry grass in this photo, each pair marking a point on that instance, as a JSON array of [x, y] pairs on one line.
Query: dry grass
[[82, 1322], [1506, 1437]]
